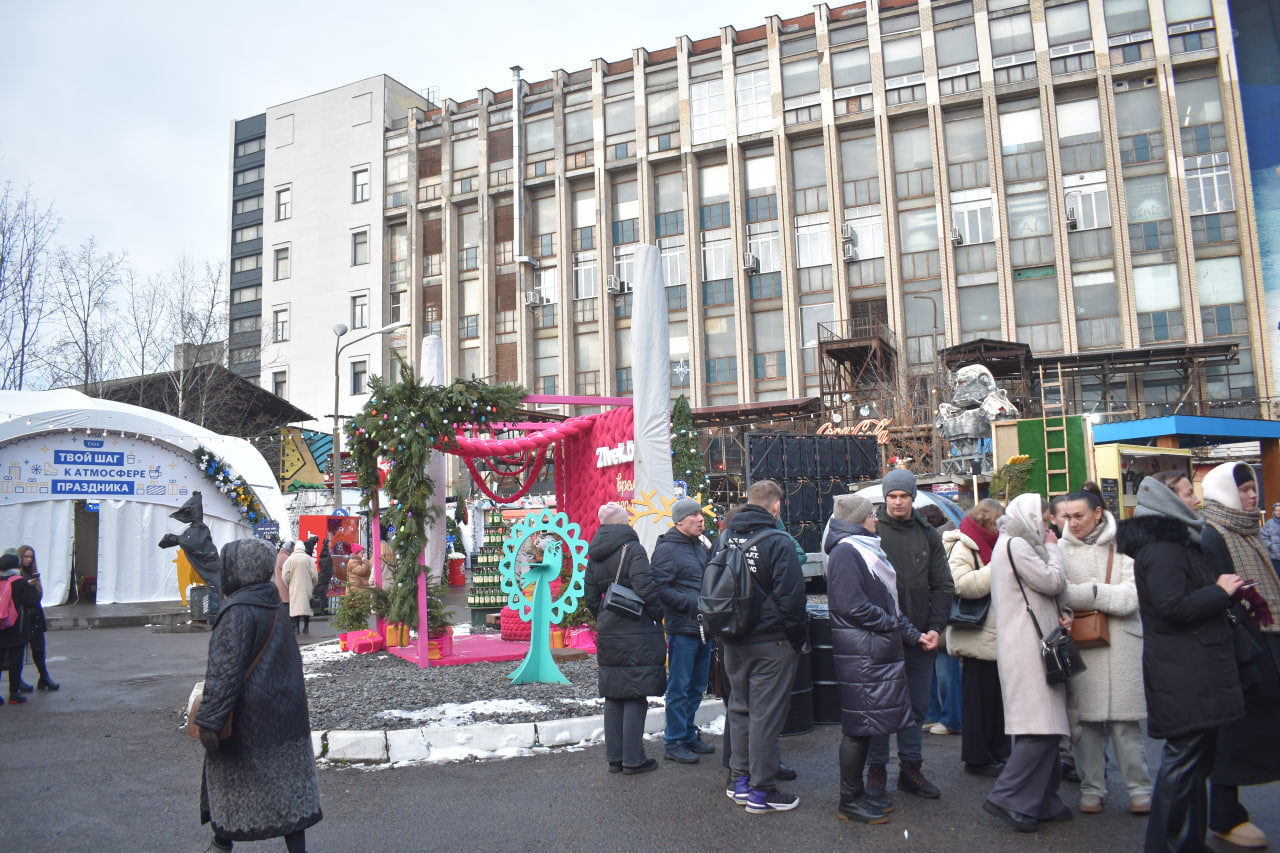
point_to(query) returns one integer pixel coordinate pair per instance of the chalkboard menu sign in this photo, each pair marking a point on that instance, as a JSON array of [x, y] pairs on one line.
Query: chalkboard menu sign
[[1111, 495]]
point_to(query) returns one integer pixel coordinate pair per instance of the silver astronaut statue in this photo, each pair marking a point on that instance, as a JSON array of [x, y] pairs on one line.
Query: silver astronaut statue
[[966, 421]]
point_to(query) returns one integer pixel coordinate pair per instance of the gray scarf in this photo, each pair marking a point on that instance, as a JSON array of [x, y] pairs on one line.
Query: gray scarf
[[1155, 498]]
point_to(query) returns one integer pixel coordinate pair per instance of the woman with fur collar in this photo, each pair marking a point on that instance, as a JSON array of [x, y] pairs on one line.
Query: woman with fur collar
[[1188, 657], [1107, 696], [1027, 578], [1248, 749]]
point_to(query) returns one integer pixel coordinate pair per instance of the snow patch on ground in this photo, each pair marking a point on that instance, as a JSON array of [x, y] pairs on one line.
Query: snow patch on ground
[[454, 714]]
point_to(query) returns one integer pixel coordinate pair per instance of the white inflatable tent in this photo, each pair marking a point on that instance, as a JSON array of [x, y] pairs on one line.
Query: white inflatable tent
[[60, 447]]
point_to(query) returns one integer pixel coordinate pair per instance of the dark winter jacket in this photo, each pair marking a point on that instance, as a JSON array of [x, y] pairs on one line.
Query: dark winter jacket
[[867, 635], [25, 598], [631, 651], [925, 585], [678, 562], [779, 581], [38, 623], [1241, 758], [1188, 657], [261, 783]]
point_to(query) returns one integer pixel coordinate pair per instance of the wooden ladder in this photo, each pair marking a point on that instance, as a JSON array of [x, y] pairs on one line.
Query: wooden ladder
[[1053, 407]]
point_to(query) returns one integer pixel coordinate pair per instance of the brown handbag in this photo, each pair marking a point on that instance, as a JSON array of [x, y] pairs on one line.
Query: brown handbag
[[1089, 628], [197, 695]]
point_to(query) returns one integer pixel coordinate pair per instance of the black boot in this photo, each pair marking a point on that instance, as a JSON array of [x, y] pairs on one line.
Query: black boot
[[855, 805], [47, 683]]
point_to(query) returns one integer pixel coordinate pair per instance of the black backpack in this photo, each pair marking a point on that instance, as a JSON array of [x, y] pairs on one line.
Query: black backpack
[[727, 605]]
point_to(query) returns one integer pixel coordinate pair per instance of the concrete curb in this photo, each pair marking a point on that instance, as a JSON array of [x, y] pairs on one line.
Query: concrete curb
[[456, 743]]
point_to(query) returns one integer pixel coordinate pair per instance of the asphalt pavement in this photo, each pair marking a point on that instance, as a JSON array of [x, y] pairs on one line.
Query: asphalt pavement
[[103, 765]]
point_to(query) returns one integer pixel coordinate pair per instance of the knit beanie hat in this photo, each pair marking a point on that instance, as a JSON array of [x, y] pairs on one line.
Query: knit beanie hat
[[899, 480], [8, 561], [851, 508], [683, 508]]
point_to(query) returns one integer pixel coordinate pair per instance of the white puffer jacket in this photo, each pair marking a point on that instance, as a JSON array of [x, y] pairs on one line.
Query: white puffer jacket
[[972, 581]]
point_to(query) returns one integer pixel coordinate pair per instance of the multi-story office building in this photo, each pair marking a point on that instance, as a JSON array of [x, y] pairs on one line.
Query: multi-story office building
[[853, 188]]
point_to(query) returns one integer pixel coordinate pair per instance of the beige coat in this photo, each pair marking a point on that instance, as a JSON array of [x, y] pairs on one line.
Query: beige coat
[[301, 576], [972, 581], [1111, 686], [1032, 706], [281, 586]]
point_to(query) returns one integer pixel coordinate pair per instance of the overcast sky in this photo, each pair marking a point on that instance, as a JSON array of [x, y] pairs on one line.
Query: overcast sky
[[120, 113]]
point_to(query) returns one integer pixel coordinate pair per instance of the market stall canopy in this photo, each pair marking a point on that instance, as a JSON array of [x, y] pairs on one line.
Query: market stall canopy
[[1188, 430]]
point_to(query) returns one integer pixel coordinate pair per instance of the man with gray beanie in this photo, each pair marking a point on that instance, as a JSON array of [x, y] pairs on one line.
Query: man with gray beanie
[[925, 591], [679, 558]]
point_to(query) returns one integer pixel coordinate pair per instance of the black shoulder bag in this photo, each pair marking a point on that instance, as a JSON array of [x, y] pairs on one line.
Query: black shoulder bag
[[1058, 651], [623, 600], [968, 612]]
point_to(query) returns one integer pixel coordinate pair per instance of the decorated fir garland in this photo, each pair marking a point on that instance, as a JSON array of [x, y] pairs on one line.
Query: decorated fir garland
[[230, 484], [403, 423], [686, 459]]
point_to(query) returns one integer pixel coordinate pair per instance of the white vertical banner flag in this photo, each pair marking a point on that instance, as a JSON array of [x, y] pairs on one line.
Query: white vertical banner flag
[[651, 397], [432, 374]]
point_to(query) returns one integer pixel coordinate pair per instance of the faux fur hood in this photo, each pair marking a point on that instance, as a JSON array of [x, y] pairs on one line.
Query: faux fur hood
[[1136, 533]]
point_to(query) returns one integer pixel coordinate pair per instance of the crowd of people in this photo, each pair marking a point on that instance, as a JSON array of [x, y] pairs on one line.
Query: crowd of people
[[1176, 631], [26, 628]]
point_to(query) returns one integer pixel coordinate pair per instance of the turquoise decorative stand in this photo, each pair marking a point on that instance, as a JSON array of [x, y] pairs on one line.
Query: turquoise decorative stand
[[538, 665]]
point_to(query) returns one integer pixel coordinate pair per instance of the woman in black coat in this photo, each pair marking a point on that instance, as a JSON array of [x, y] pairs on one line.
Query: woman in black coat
[[1188, 657], [631, 651], [27, 559], [868, 634], [261, 781], [13, 640]]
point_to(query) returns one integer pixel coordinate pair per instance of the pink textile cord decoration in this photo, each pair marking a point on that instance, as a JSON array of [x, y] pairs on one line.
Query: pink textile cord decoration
[[534, 470]]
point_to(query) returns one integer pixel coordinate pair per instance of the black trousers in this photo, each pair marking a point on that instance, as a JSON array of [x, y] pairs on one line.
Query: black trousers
[[982, 740], [38, 653], [13, 657], [1180, 802]]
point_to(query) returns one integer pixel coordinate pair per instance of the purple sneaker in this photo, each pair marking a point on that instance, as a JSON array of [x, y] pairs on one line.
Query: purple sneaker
[[764, 802], [737, 788]]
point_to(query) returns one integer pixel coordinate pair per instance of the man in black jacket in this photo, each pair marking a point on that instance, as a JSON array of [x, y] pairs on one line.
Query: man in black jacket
[[679, 558], [925, 591], [762, 665]]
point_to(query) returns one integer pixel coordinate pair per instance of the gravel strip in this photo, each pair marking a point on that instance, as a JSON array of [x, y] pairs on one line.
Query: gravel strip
[[356, 692]]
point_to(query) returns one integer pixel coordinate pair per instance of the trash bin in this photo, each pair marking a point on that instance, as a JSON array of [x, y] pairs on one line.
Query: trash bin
[[800, 717], [204, 603], [826, 690]]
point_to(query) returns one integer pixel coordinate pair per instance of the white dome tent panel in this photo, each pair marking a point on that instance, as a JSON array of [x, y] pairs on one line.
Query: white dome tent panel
[[60, 448]]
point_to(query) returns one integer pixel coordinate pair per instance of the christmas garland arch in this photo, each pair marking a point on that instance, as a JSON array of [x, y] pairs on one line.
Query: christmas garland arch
[[404, 423], [230, 484]]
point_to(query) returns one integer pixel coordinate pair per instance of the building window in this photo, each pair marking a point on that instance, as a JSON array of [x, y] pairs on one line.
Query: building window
[[249, 176], [244, 235], [244, 355], [1159, 301], [719, 292], [395, 305], [284, 203], [252, 146], [622, 305], [281, 267], [586, 276], [624, 381], [1209, 187], [359, 186], [765, 285], [432, 321], [677, 298], [280, 383], [468, 258], [248, 205], [469, 326], [706, 110], [587, 383], [360, 311], [359, 375], [359, 248], [770, 365], [506, 324], [240, 325], [248, 262], [280, 325], [755, 103], [246, 294], [722, 370]]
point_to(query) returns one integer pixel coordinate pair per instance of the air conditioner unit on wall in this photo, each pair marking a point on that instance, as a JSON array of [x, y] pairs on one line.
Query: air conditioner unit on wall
[[612, 285], [750, 262], [1072, 222], [536, 299], [849, 233], [957, 239], [850, 251]]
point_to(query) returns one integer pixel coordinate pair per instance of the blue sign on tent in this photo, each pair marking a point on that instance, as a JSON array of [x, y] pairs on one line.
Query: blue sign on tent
[[265, 529], [91, 506]]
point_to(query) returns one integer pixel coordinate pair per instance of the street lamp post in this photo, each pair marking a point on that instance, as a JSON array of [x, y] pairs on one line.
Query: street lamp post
[[934, 398], [340, 329]]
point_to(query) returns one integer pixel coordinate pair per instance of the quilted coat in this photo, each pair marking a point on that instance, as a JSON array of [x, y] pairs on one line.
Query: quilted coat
[[261, 783], [1188, 655], [1111, 686], [631, 651], [868, 633]]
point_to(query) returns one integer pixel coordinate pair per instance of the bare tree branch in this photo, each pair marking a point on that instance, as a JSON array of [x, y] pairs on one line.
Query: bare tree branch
[[84, 285], [25, 232]]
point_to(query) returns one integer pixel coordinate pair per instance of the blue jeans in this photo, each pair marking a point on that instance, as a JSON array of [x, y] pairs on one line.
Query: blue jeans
[[944, 696], [688, 665]]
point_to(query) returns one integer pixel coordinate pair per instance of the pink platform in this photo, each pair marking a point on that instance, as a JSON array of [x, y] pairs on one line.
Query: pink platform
[[469, 648]]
